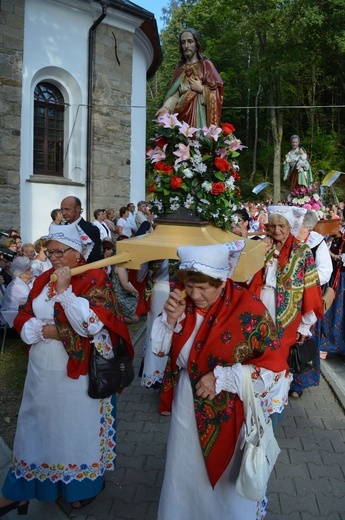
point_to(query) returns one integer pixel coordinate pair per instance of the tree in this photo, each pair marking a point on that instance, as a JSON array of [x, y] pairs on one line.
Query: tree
[[282, 67]]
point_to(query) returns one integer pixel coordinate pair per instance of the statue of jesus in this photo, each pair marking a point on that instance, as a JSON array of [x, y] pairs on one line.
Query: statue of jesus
[[196, 91]]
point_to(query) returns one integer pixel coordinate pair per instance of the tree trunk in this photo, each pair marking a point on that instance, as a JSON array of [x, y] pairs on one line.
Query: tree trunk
[[256, 134], [277, 133]]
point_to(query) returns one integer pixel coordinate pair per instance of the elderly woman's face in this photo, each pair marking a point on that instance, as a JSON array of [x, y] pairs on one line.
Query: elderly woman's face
[[279, 230], [203, 294], [27, 275], [61, 255]]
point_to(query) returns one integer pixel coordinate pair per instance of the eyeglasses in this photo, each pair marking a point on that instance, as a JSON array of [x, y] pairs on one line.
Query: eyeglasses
[[58, 253]]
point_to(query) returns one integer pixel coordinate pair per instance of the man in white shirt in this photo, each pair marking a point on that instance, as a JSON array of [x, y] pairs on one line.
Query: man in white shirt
[[131, 216], [143, 214]]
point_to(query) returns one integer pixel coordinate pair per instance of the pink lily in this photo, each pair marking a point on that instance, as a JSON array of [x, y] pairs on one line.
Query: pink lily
[[183, 154], [222, 152], [168, 121], [235, 144], [187, 130], [157, 154], [212, 132]]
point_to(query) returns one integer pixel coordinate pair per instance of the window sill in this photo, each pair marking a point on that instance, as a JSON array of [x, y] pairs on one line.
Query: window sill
[[50, 179]]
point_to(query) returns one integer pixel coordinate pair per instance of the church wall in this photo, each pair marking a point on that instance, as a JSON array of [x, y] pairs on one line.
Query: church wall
[[51, 44], [11, 63]]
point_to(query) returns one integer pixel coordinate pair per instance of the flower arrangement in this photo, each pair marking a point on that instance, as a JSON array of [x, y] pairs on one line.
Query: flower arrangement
[[196, 169], [307, 197]]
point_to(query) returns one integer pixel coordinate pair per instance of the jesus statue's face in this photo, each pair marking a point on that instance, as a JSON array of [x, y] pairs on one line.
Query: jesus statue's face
[[188, 44]]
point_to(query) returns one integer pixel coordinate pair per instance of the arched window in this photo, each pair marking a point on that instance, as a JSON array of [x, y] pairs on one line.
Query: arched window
[[48, 130]]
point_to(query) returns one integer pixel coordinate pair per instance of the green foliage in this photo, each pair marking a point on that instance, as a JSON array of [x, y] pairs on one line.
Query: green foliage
[[288, 54]]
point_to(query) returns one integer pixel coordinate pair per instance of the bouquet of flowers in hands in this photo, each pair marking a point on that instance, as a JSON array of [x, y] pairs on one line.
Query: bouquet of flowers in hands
[[196, 169]]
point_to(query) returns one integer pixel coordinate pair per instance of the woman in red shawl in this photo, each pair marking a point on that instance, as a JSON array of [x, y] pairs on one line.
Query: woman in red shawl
[[289, 283], [210, 333], [64, 440]]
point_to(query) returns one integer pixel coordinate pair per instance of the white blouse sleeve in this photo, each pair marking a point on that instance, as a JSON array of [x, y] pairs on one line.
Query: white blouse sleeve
[[271, 388], [230, 379], [77, 309], [31, 332], [323, 263], [161, 334], [308, 319]]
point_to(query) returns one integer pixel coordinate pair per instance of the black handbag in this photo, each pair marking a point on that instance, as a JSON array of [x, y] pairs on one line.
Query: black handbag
[[303, 356], [108, 376]]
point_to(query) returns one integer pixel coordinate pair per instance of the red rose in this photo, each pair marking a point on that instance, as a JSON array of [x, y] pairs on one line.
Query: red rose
[[218, 188], [175, 182], [228, 128], [235, 175], [161, 141], [222, 164], [152, 188], [166, 169]]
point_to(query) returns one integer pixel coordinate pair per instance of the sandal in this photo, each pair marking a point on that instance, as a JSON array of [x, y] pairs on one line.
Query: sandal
[[295, 394], [83, 503], [79, 504]]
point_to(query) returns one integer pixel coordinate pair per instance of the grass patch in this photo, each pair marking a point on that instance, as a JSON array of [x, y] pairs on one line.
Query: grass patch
[[13, 365]]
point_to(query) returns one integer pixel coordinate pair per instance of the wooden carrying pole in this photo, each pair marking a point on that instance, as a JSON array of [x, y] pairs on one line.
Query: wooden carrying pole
[[111, 260]]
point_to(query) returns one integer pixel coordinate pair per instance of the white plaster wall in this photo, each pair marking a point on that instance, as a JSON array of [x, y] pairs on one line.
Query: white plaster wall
[[56, 39], [55, 47], [141, 59]]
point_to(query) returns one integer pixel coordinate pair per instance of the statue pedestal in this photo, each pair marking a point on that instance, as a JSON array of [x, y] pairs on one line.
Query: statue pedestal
[[163, 242]]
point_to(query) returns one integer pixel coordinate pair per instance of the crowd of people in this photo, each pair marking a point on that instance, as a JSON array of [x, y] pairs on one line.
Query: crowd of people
[[202, 328], [99, 240], [258, 321]]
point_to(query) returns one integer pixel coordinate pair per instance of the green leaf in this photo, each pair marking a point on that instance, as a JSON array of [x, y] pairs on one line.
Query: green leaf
[[219, 175]]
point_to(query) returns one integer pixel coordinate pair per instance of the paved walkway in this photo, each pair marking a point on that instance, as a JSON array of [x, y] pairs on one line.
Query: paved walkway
[[309, 477]]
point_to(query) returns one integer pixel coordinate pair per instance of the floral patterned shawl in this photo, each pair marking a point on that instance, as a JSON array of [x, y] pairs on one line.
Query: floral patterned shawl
[[97, 288], [298, 289], [236, 329]]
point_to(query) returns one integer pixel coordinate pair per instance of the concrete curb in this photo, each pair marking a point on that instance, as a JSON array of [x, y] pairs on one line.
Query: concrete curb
[[333, 370]]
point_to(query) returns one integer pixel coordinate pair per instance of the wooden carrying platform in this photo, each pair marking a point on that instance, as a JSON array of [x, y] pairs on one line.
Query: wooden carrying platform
[[328, 227], [163, 242]]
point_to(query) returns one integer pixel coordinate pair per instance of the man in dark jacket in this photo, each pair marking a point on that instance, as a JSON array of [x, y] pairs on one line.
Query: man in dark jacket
[[89, 234]]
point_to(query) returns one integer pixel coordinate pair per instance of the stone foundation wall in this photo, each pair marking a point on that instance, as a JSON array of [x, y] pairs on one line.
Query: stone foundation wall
[[110, 176], [11, 64]]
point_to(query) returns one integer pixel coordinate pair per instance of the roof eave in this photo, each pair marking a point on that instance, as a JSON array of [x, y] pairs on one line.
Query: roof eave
[[148, 27]]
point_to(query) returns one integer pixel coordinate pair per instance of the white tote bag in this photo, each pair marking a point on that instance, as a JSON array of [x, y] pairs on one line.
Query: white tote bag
[[260, 446]]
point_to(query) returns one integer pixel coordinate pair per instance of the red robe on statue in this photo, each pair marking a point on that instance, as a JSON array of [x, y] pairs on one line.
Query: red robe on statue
[[196, 109]]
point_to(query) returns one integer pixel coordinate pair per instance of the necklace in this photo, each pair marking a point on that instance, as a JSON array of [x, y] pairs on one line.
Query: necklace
[[203, 312]]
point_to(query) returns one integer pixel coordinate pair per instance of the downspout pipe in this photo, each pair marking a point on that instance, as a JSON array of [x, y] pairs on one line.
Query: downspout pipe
[[105, 4]]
